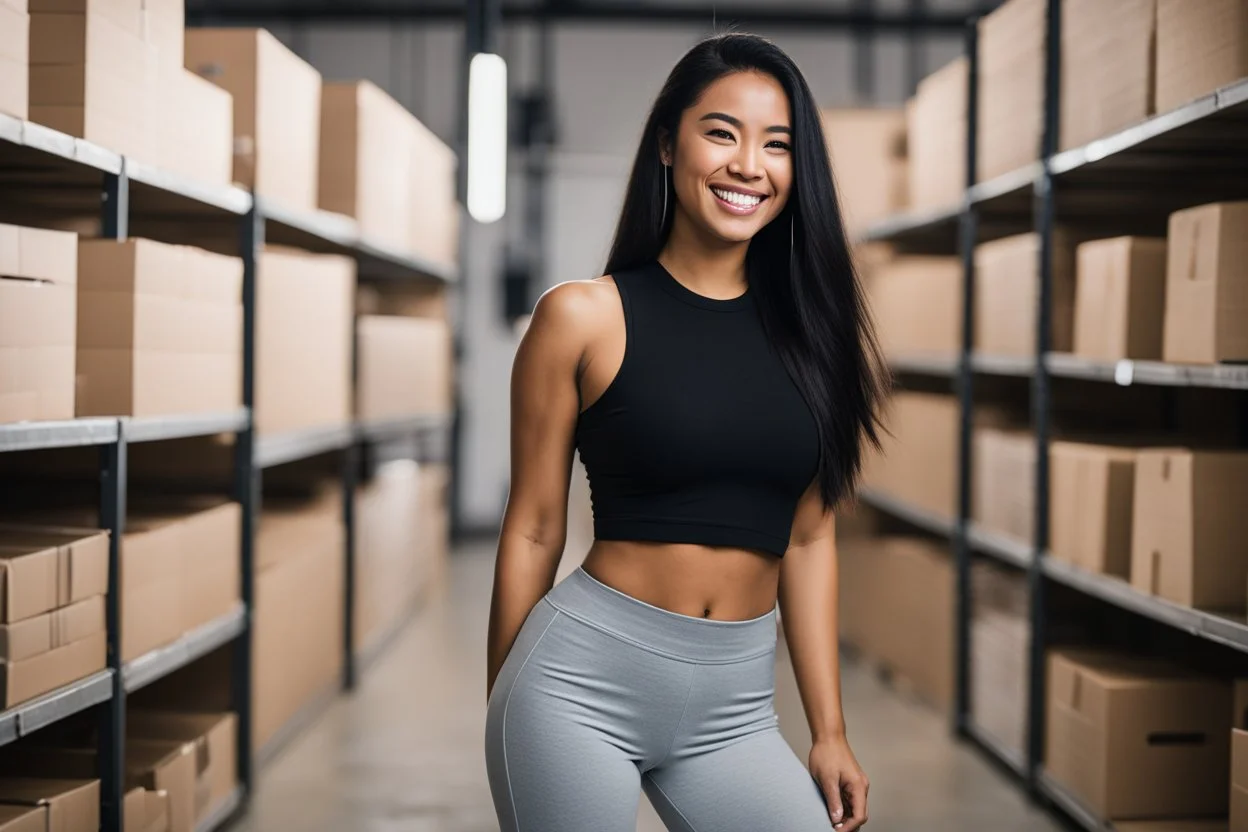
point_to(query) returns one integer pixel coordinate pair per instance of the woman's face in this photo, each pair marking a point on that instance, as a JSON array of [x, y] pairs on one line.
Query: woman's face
[[732, 163]]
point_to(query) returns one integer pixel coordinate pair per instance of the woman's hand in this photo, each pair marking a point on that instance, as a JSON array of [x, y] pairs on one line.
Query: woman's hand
[[844, 784]]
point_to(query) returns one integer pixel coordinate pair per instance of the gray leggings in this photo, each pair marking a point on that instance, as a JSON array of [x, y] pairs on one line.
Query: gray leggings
[[603, 695]]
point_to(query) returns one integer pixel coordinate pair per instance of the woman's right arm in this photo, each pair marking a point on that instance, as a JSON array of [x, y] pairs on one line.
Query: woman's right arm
[[544, 406]]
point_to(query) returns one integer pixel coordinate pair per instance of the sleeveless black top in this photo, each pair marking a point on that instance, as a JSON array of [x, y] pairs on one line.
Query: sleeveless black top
[[702, 436]]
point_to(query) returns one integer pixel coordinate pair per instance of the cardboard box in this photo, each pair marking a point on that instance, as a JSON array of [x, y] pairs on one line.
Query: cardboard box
[[297, 642], [1003, 481], [42, 569], [1201, 45], [1091, 492], [14, 61], [146, 811], [304, 341], [24, 680], [435, 214], [1011, 87], [128, 14], [164, 27], [197, 138], [936, 138], [51, 630], [64, 805], [868, 152], [277, 110], [1135, 738], [1239, 780], [168, 766], [1000, 634], [1207, 284], [1120, 298], [159, 329], [424, 299], [92, 76], [22, 819], [365, 148], [918, 462], [1007, 289], [38, 309], [1172, 826], [435, 522], [1188, 526], [391, 566], [917, 305], [403, 367], [1107, 67], [216, 733]]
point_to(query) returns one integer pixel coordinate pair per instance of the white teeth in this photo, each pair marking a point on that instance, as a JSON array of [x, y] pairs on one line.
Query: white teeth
[[744, 200]]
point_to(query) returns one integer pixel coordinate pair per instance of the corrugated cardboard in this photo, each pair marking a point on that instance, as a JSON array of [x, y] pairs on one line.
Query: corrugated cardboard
[[1120, 298], [92, 76], [125, 13], [1239, 780], [66, 805], [169, 766], [917, 305], [868, 152], [277, 110], [365, 148], [304, 341], [1207, 284], [936, 138], [1011, 87], [1003, 481], [164, 27], [403, 367], [1000, 633], [43, 569], [22, 819], [159, 329], [1007, 289], [1201, 45], [1091, 492], [435, 214], [24, 680], [435, 516], [918, 462], [217, 733], [297, 647], [1107, 67], [424, 299], [391, 567], [14, 62], [1137, 739], [146, 811], [197, 139], [1188, 527], [39, 254], [37, 635]]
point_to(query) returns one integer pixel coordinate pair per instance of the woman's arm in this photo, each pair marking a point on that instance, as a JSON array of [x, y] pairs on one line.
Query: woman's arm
[[808, 603], [544, 406]]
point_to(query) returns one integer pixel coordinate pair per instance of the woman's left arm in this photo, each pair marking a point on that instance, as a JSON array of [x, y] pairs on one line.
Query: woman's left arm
[[808, 606]]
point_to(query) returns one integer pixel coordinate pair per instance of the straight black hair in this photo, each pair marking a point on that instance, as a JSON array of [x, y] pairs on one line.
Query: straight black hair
[[798, 266]]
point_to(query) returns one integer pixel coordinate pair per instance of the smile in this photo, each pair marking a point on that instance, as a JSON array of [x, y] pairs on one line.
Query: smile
[[736, 202]]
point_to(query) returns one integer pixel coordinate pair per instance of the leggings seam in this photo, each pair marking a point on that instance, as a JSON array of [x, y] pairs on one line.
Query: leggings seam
[[656, 651], [672, 803], [684, 709], [511, 792]]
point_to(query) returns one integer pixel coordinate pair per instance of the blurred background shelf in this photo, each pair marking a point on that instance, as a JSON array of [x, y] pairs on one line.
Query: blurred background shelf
[[28, 717], [198, 643]]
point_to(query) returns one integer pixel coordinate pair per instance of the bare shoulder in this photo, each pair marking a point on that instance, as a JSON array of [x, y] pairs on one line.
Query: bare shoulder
[[576, 307]]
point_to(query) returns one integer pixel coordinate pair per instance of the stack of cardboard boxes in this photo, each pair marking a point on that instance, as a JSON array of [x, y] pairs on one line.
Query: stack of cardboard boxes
[[1000, 636], [917, 305], [14, 58], [36, 805], [868, 153], [404, 367], [936, 138], [919, 459], [53, 584]]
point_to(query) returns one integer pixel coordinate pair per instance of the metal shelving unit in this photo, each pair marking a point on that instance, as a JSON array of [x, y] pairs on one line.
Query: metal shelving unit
[[86, 178], [912, 514], [1194, 155], [928, 365]]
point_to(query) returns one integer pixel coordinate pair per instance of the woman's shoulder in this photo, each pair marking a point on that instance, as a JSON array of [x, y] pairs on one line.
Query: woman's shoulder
[[577, 306]]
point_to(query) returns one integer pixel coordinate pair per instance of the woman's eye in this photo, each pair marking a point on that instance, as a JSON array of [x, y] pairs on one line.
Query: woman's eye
[[779, 144], [719, 133]]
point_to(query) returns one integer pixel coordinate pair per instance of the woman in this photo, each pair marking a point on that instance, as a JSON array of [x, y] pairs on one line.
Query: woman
[[718, 382]]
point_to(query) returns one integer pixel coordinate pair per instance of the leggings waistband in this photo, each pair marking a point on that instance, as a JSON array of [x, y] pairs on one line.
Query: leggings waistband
[[584, 597]]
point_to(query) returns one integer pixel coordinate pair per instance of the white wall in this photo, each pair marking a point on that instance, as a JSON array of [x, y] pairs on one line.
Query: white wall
[[606, 78]]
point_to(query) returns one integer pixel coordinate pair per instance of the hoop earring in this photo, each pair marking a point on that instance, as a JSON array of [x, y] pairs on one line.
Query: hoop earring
[[663, 218], [792, 235]]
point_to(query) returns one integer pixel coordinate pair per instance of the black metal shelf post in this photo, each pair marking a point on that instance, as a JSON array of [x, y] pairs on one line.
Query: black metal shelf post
[[968, 234]]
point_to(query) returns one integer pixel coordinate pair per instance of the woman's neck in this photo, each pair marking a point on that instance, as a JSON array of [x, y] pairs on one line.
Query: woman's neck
[[707, 265]]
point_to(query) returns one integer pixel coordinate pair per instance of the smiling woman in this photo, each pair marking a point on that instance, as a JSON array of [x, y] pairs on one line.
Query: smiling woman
[[719, 382]]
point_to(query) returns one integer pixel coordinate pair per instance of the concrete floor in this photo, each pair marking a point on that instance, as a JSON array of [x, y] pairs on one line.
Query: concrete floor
[[404, 753]]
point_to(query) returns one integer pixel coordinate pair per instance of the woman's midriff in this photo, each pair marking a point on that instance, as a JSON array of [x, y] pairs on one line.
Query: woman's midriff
[[712, 582]]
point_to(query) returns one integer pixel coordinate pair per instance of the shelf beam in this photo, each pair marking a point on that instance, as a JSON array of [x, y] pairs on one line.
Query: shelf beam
[[194, 645], [912, 514], [28, 717], [34, 436]]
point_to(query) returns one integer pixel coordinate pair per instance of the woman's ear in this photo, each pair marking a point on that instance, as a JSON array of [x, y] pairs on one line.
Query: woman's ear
[[665, 147]]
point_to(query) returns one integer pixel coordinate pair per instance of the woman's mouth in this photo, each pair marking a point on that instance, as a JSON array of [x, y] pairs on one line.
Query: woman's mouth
[[737, 203]]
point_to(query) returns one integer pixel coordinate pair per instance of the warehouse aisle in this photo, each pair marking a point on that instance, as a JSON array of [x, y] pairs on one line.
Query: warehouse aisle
[[404, 754]]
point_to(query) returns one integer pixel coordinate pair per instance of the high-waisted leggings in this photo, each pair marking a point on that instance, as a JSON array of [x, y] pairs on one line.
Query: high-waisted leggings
[[603, 695]]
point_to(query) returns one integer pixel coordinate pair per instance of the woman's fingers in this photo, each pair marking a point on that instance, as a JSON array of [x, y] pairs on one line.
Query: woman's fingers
[[855, 788]]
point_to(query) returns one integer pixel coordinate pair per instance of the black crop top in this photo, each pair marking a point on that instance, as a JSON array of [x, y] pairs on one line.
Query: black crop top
[[702, 436]]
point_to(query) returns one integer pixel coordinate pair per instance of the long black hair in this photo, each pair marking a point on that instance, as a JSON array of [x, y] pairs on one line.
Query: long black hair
[[798, 266]]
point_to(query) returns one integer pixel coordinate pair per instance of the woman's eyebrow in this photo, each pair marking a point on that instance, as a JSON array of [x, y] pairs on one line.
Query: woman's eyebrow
[[736, 122]]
